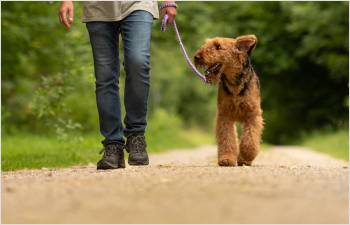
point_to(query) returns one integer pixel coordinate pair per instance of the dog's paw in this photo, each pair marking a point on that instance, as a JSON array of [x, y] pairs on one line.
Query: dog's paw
[[227, 162], [244, 163]]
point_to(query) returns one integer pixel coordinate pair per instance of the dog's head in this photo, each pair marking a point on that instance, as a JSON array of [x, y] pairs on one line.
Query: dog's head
[[220, 54]]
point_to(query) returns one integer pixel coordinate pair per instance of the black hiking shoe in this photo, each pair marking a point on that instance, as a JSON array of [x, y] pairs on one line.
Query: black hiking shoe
[[113, 157], [136, 147]]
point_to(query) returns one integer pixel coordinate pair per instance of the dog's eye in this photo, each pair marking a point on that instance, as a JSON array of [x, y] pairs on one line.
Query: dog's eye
[[218, 46]]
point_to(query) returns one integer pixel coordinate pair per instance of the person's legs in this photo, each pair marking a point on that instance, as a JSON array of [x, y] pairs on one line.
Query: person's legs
[[104, 42], [136, 35]]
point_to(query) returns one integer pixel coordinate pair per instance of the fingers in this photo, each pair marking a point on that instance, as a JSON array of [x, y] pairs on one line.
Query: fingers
[[163, 12], [171, 12], [60, 15], [70, 16], [170, 19], [63, 18], [66, 14]]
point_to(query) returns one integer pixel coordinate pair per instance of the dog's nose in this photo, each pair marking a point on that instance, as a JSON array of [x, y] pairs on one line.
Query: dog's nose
[[198, 59]]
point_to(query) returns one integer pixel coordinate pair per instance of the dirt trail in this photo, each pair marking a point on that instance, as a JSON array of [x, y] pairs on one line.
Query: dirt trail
[[286, 185]]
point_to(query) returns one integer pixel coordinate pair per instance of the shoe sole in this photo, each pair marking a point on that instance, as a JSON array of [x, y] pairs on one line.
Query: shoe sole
[[138, 163], [107, 166]]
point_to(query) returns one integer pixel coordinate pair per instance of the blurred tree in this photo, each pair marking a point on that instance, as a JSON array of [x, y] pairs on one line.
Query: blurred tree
[[40, 61]]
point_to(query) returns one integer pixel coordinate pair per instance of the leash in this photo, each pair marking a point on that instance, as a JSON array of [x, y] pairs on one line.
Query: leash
[[189, 62]]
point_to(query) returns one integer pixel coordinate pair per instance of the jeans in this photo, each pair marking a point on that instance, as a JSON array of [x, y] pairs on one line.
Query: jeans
[[135, 31]]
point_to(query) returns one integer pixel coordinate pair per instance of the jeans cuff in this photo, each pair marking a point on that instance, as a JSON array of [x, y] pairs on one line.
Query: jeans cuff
[[134, 133], [108, 142]]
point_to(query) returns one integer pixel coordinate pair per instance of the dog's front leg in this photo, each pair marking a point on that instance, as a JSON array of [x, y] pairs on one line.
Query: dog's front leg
[[250, 140], [227, 141]]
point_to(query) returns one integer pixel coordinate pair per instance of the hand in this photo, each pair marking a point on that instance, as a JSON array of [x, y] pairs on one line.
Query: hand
[[170, 11], [66, 13]]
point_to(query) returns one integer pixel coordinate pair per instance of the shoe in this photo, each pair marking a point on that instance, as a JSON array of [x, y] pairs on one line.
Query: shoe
[[136, 147], [113, 157]]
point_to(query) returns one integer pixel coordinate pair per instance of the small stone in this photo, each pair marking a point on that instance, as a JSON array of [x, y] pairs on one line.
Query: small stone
[[9, 189], [164, 180]]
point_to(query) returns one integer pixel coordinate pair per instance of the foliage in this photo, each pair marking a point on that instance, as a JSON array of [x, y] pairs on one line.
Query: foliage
[[334, 143], [301, 59], [166, 129], [38, 66], [49, 108]]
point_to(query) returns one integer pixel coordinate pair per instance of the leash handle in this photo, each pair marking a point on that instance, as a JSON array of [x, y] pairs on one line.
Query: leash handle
[[164, 23], [183, 50]]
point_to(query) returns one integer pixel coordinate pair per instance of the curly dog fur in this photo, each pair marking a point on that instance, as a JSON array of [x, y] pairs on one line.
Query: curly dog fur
[[228, 64]]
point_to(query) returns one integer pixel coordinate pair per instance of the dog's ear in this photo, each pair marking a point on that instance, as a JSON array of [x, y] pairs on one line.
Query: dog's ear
[[246, 43]]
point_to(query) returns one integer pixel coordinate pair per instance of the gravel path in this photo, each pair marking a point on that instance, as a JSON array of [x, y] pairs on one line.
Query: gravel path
[[285, 185]]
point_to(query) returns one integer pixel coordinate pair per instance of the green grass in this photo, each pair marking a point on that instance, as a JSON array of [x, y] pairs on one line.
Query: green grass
[[38, 151], [334, 143]]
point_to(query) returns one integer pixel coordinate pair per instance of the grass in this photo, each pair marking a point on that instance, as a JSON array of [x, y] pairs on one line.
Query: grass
[[335, 143], [37, 151]]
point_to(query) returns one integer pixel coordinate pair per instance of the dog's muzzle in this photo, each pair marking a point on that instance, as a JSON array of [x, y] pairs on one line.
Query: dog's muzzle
[[213, 70]]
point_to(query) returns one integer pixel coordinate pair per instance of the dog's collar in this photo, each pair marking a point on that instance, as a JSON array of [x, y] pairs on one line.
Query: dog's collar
[[246, 85], [224, 82]]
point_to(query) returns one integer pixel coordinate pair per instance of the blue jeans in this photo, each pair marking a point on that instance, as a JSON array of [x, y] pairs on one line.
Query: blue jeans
[[135, 31]]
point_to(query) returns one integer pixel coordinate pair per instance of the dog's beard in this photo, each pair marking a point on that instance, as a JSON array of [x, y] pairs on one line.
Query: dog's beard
[[213, 73], [213, 69]]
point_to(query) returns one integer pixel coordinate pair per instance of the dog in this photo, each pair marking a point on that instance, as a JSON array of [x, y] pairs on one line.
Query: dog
[[227, 63]]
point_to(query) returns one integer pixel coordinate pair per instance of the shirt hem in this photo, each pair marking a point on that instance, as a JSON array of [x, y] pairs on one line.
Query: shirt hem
[[119, 18]]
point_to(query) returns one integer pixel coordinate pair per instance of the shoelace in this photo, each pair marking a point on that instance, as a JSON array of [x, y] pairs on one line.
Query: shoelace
[[109, 150], [139, 143]]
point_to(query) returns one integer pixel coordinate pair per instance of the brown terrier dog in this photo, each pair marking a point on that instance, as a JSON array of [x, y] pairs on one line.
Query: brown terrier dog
[[228, 64]]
